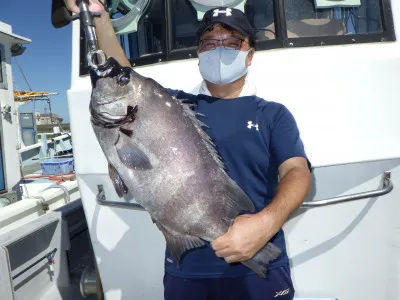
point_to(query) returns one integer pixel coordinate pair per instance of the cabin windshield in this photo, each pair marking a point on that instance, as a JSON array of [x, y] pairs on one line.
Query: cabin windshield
[[151, 31]]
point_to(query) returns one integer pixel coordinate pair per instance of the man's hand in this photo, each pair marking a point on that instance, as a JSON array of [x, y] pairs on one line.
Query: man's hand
[[94, 6], [107, 40], [247, 235]]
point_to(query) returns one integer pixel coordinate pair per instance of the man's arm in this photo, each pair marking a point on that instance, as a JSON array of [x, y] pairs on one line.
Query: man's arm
[[105, 33], [294, 185], [108, 41], [249, 233]]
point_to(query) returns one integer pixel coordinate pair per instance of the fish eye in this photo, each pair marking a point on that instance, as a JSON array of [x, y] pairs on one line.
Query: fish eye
[[124, 76], [123, 79]]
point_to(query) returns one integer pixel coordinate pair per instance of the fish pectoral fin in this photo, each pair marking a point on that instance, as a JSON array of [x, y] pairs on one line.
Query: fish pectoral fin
[[130, 154], [117, 181], [179, 243]]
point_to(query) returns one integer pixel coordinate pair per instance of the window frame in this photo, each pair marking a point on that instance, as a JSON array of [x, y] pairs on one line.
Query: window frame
[[281, 41], [387, 35], [3, 69]]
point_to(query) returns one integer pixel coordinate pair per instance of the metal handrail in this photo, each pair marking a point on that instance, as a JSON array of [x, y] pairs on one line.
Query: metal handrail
[[101, 199], [57, 186], [386, 188]]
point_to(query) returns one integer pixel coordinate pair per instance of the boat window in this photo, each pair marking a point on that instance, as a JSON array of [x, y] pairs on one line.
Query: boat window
[[185, 16], [304, 19], [261, 14], [149, 38], [146, 42], [3, 78], [184, 24], [166, 30]]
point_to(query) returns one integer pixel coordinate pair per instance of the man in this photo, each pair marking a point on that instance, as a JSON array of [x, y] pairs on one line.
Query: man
[[260, 145]]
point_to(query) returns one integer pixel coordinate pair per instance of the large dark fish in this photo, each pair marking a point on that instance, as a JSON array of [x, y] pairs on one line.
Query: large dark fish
[[157, 151]]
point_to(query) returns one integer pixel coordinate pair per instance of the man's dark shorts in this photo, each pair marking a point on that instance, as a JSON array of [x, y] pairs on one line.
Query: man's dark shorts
[[277, 286]]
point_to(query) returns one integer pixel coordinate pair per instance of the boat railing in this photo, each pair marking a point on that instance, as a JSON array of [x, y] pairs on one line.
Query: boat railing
[[387, 187]]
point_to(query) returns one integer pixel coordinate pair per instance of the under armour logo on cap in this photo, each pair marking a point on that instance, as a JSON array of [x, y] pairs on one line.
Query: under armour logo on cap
[[232, 17], [227, 12]]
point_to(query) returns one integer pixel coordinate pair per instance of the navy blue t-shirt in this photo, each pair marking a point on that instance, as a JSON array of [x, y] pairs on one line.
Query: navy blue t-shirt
[[253, 137]]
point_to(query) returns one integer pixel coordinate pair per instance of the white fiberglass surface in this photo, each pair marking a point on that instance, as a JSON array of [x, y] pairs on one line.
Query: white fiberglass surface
[[350, 250], [345, 251], [345, 100], [345, 106]]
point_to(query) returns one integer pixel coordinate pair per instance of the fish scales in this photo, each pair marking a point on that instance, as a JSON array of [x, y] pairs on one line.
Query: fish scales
[[158, 152]]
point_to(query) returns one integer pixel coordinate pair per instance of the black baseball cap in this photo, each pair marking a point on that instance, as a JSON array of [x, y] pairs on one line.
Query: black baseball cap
[[231, 17]]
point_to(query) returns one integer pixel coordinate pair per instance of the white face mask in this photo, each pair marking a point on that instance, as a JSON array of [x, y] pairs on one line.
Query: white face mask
[[222, 66]]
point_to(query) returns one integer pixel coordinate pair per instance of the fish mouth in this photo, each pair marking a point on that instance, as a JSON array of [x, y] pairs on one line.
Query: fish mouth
[[107, 120], [107, 116], [111, 68]]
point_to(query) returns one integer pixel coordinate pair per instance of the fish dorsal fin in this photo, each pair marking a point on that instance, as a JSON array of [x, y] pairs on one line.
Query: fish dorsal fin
[[205, 137], [238, 199]]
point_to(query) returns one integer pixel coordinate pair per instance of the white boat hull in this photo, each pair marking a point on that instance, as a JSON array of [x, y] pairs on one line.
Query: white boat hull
[[346, 101]]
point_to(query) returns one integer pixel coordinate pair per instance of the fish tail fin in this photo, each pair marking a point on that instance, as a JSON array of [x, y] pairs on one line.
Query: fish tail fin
[[239, 202], [260, 261]]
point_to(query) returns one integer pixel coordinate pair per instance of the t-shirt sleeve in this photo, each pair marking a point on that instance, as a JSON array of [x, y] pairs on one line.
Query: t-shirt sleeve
[[285, 140]]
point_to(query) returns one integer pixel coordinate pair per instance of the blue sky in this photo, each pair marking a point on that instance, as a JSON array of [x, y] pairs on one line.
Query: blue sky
[[47, 60]]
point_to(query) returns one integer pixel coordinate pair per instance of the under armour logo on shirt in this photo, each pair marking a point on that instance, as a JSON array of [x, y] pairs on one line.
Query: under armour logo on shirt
[[227, 12], [251, 125]]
